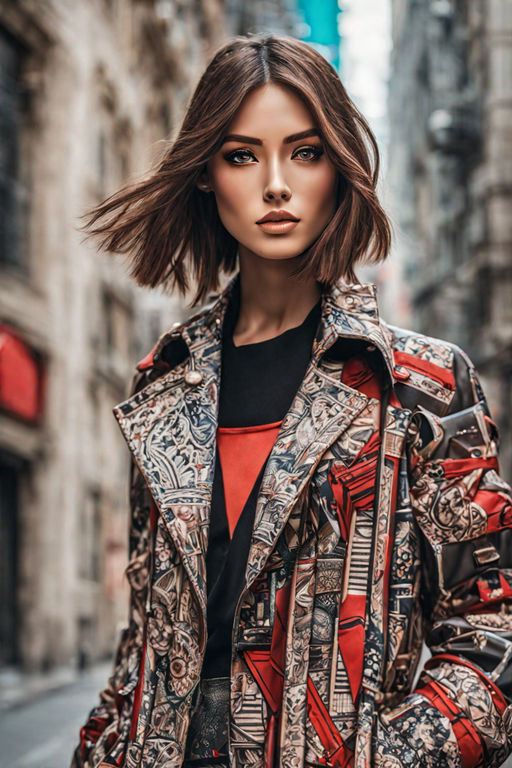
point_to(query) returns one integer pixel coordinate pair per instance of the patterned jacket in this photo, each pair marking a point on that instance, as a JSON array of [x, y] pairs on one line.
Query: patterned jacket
[[381, 523]]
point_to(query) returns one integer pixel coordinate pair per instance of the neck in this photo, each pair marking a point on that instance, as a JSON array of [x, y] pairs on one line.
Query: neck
[[272, 299]]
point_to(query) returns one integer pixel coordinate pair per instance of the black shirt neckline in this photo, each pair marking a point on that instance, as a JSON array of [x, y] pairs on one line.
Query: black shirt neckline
[[284, 336], [312, 318], [259, 380]]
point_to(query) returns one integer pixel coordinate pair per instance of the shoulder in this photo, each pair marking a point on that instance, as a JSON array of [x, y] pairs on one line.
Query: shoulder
[[172, 347], [436, 373]]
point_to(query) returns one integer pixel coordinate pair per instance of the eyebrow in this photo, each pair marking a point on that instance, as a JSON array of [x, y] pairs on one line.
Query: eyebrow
[[287, 140]]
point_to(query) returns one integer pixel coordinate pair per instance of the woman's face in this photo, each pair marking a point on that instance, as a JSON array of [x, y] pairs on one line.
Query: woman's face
[[272, 161]]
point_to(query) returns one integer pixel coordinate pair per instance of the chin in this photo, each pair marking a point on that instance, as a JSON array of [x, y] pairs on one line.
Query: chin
[[276, 256], [278, 250]]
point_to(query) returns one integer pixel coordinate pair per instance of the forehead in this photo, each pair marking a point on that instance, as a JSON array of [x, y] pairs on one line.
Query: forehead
[[271, 109]]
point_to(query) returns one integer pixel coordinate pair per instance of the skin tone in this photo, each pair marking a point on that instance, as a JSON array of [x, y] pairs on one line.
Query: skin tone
[[277, 169]]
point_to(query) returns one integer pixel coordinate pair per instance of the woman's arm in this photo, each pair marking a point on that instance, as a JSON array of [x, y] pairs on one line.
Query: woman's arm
[[461, 714]]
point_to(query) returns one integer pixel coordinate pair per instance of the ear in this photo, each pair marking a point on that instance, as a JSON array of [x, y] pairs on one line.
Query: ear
[[203, 182]]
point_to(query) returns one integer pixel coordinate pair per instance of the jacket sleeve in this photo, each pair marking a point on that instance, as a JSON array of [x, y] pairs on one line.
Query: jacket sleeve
[[460, 714], [108, 724]]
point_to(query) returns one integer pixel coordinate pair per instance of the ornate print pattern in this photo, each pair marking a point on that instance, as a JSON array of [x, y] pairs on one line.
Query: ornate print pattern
[[371, 535]]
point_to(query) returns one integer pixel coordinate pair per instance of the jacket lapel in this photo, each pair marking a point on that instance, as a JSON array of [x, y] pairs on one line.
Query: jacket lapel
[[324, 410], [170, 427]]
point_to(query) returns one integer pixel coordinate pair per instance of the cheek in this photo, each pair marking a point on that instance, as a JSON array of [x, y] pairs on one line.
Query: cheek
[[322, 190], [231, 191]]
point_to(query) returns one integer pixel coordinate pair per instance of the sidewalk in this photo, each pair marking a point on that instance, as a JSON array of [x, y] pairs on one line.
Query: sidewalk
[[18, 688], [43, 714]]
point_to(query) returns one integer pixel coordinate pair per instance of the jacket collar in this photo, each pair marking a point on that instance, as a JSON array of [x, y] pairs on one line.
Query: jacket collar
[[170, 425], [349, 311]]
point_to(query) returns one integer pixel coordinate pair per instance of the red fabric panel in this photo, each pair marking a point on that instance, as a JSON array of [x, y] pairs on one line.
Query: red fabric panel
[[146, 361], [267, 666], [442, 375], [242, 452], [358, 374], [278, 644], [269, 680], [351, 639], [469, 741], [498, 508], [354, 486], [339, 755], [270, 742], [488, 594]]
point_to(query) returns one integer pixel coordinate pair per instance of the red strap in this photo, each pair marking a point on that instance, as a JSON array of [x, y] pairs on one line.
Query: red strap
[[338, 754], [443, 376], [460, 467], [270, 741], [497, 696]]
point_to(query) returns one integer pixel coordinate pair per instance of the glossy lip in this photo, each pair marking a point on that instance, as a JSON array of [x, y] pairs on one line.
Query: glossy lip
[[277, 216], [278, 227]]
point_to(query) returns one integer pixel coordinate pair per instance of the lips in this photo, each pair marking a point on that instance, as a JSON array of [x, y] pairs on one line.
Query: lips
[[277, 216]]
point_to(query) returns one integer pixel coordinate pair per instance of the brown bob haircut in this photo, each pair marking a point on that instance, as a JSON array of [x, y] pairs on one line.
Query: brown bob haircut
[[173, 231]]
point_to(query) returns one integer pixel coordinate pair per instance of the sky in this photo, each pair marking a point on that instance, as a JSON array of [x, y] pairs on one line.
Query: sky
[[365, 27]]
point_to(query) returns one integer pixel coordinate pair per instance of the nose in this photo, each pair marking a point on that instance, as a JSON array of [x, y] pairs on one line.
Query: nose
[[276, 186]]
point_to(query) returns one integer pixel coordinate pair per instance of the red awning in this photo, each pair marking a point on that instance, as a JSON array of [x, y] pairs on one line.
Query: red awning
[[21, 377]]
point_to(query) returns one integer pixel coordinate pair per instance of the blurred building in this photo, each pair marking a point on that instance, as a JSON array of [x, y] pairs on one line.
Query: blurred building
[[88, 91], [248, 17], [364, 71], [450, 169]]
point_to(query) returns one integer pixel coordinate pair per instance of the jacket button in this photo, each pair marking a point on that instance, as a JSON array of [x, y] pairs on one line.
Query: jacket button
[[193, 377]]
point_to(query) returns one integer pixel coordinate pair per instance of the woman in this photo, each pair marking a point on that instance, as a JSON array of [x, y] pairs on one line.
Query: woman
[[313, 492]]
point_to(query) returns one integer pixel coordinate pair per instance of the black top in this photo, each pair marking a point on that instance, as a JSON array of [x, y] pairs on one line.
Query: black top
[[259, 381], [258, 384]]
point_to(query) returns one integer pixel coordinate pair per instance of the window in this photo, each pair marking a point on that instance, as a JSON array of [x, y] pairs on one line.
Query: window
[[12, 192], [89, 538], [9, 520], [117, 326]]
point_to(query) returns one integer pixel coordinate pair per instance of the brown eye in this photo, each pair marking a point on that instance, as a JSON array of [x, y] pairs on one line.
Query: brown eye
[[234, 157], [312, 153]]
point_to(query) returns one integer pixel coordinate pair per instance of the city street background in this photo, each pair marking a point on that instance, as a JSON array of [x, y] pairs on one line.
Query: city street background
[[91, 92], [42, 733]]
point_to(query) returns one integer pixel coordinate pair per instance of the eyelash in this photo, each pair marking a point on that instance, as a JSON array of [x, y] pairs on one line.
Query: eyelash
[[317, 153]]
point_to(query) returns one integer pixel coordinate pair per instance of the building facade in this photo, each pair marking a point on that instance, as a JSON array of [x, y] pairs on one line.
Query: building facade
[[89, 92], [450, 172], [277, 16]]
